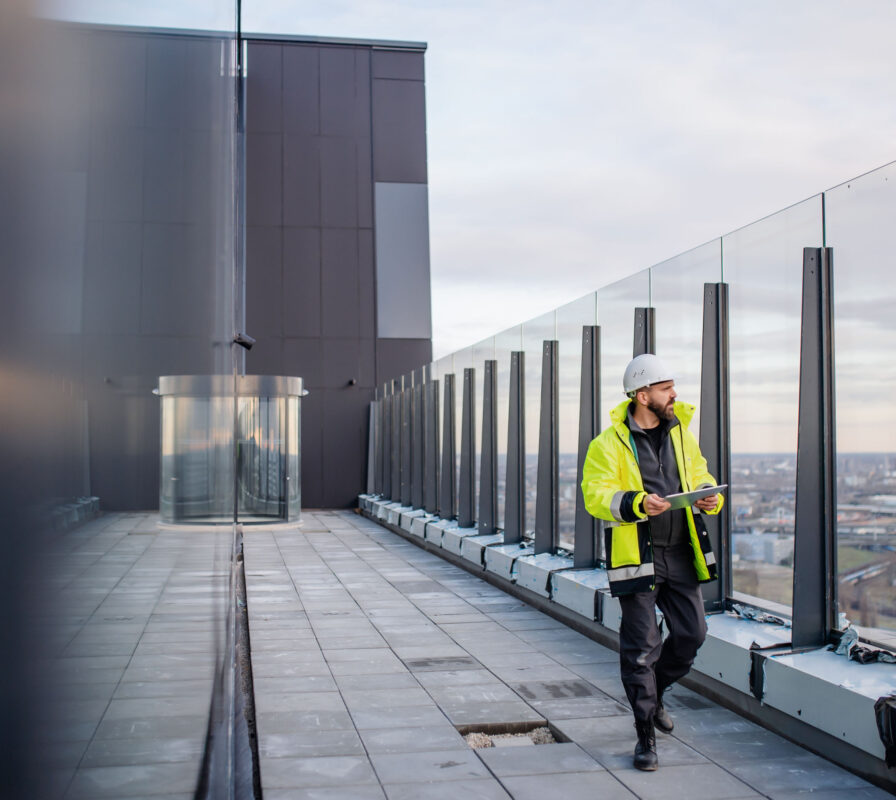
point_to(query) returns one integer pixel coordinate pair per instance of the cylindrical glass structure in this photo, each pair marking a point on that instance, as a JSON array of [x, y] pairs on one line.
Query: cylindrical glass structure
[[204, 477]]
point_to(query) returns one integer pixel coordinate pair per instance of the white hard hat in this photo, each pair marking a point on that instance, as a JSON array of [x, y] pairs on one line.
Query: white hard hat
[[645, 370]]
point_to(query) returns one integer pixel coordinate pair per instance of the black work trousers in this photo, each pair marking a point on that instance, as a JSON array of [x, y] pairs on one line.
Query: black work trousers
[[650, 665]]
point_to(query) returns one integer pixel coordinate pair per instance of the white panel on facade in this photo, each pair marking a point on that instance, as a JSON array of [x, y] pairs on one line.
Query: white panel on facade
[[404, 309]]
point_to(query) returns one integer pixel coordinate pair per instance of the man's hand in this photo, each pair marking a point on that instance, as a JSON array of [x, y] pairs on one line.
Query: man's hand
[[708, 503], [654, 504]]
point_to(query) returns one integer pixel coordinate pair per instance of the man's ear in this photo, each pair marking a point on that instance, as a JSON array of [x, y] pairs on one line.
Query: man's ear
[[641, 397]]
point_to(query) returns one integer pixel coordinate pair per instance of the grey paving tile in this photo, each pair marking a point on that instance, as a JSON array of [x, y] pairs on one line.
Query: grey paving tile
[[298, 701], [428, 766], [154, 728], [393, 680], [462, 677], [301, 773], [308, 683], [569, 786], [855, 793], [372, 699], [138, 689], [132, 781], [805, 773], [356, 792], [405, 716], [730, 748], [576, 709], [477, 713], [537, 759], [291, 721], [134, 752], [688, 780], [157, 707], [403, 740], [312, 742]]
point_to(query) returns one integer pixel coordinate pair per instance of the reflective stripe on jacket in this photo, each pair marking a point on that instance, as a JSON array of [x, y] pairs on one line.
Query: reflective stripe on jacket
[[614, 492]]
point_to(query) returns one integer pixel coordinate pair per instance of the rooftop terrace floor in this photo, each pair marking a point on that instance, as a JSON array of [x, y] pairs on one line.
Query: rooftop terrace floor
[[367, 653]]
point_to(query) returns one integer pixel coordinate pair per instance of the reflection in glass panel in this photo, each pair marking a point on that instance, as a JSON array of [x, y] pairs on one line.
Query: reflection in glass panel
[[570, 320], [762, 264], [616, 305], [858, 225], [535, 333], [293, 472], [261, 453], [506, 343], [676, 288]]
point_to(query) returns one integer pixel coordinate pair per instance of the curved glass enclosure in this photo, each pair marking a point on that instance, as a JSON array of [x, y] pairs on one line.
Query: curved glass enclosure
[[204, 478]]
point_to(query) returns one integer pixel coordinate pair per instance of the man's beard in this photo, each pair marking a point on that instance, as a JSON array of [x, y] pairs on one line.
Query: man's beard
[[662, 412]]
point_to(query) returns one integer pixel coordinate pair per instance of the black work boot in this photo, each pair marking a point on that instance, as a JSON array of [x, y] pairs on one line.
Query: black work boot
[[661, 718], [645, 749]]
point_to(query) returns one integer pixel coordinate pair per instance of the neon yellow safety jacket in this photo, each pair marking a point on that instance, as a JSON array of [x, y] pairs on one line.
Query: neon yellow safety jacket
[[614, 492]]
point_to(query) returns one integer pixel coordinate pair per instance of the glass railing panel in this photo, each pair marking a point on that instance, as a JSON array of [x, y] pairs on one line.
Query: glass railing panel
[[762, 264], [571, 318], [535, 333], [616, 306], [676, 291], [506, 342], [859, 227]]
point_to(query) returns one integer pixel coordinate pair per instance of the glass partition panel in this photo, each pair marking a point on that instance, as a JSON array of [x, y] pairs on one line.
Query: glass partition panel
[[762, 264], [570, 320], [616, 306], [535, 332], [676, 290], [859, 226], [506, 342]]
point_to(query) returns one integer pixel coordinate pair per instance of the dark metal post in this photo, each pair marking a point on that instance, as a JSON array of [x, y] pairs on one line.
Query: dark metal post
[[380, 443], [515, 481], [467, 487], [417, 446], [387, 443], [488, 463], [372, 415], [546, 499], [815, 533], [396, 441], [645, 331], [715, 433], [448, 483], [587, 531], [431, 447], [405, 461]]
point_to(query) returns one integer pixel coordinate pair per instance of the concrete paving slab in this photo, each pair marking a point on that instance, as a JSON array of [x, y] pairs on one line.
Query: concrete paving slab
[[537, 760], [405, 740], [488, 789], [428, 766], [683, 781], [311, 743], [569, 786], [303, 773]]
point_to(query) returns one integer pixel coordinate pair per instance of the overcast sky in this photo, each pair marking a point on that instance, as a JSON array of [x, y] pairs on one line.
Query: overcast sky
[[573, 143]]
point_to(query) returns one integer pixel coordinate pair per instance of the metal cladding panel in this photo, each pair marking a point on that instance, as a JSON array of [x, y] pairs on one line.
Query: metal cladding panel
[[501, 559], [264, 86], [338, 182], [264, 262], [399, 131], [453, 538], [112, 266], [580, 590], [301, 84], [397, 65], [473, 547], [534, 572], [831, 693], [402, 261], [301, 283], [303, 174], [400, 356], [264, 178], [340, 285]]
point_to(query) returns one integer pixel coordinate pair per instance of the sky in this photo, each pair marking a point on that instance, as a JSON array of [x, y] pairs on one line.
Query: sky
[[571, 143]]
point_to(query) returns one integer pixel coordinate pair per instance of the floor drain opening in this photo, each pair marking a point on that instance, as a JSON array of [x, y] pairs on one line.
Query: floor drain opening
[[509, 734]]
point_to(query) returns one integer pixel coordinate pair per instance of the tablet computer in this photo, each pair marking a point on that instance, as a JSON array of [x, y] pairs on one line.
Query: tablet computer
[[685, 499]]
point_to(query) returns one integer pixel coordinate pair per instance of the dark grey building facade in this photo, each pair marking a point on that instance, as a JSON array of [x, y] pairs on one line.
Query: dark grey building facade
[[131, 236], [337, 254]]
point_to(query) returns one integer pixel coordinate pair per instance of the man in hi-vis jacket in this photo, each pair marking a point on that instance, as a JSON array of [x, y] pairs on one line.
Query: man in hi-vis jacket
[[656, 557]]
